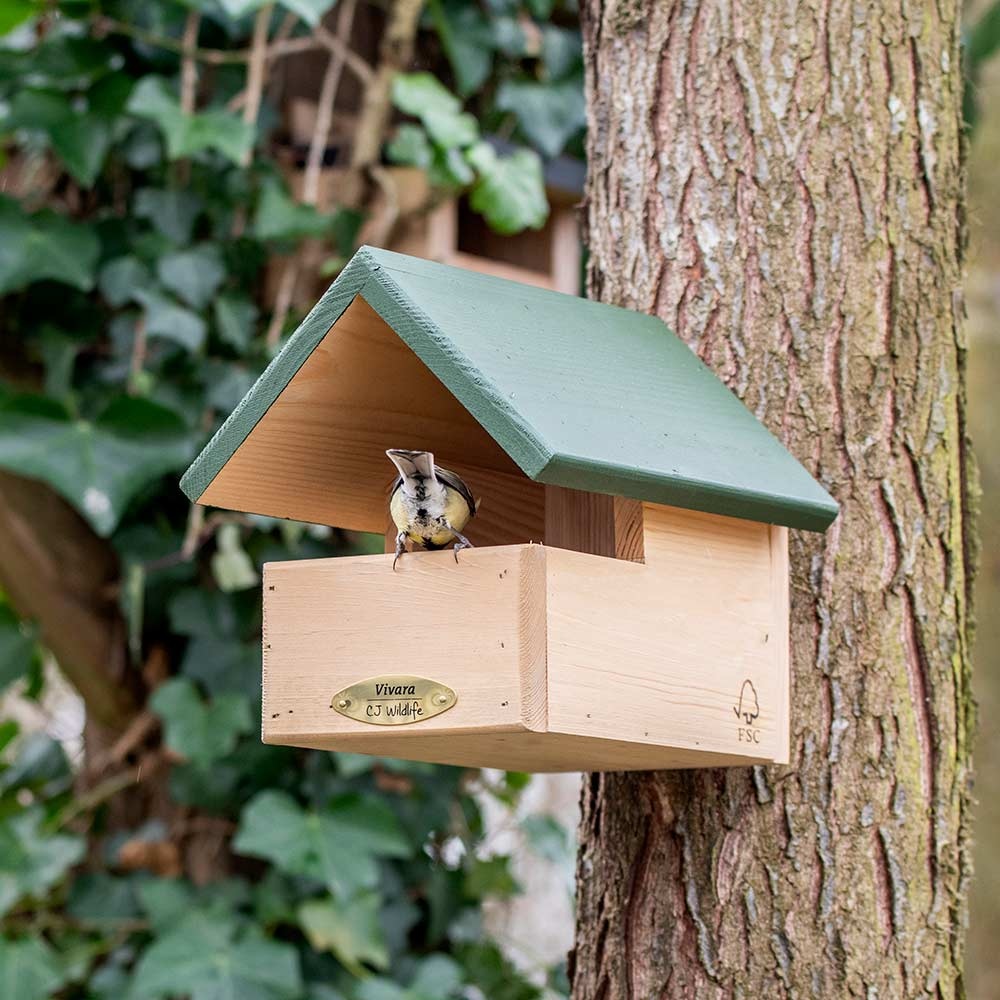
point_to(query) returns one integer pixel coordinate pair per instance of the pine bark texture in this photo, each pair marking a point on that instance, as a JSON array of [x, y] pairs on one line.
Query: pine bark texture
[[782, 183]]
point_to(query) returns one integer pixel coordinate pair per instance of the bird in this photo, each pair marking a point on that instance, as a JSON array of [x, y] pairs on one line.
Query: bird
[[429, 505]]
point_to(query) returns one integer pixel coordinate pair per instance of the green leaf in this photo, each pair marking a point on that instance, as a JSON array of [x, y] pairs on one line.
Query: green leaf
[[448, 129], [32, 861], [13, 13], [280, 218], [417, 93], [44, 246], [467, 39], [165, 318], [410, 146], [311, 11], [18, 647], [189, 134], [173, 213], [490, 877], [549, 114], [984, 37], [206, 959], [29, 968], [200, 731], [97, 465], [338, 846], [80, 137], [236, 321], [121, 278], [437, 976], [510, 191], [425, 97], [547, 837], [232, 568], [349, 929], [193, 275], [562, 51]]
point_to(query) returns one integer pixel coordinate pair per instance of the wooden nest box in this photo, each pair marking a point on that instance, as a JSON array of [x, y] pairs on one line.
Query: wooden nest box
[[626, 604]]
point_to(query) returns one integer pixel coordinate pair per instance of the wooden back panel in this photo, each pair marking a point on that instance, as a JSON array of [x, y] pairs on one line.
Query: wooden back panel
[[318, 453]]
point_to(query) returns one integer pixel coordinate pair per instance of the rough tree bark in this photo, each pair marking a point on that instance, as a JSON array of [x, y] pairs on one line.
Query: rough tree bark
[[782, 183]]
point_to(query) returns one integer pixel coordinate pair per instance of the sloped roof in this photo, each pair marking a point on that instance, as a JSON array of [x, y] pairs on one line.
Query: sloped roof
[[579, 394]]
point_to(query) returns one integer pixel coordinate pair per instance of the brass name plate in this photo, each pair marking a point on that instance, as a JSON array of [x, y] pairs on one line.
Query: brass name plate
[[394, 700]]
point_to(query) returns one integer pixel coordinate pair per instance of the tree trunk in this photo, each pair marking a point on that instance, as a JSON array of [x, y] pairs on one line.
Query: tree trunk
[[782, 184]]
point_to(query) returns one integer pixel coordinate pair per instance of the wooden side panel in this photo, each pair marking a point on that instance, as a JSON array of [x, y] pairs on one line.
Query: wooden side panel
[[593, 522], [318, 453], [781, 599], [674, 653], [476, 625]]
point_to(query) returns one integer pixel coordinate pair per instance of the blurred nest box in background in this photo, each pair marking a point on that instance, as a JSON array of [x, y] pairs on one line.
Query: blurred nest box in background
[[626, 606]]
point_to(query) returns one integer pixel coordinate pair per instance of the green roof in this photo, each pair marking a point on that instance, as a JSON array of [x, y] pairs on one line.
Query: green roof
[[578, 393]]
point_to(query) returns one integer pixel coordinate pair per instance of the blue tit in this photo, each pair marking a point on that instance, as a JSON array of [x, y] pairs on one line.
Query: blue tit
[[429, 505]]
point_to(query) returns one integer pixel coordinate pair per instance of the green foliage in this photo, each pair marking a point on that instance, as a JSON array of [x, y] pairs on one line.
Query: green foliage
[[44, 246], [981, 43], [133, 247]]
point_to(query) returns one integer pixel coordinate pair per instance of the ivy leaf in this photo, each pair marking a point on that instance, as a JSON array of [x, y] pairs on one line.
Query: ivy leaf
[[13, 13], [425, 97], [236, 321], [44, 246], [189, 134], [410, 146], [279, 217], [29, 969], [417, 93], [199, 731], [31, 860], [467, 39], [98, 466], [338, 846], [121, 278], [510, 191], [547, 837], [562, 51], [206, 959], [193, 275], [549, 114], [232, 568], [18, 647], [490, 877], [172, 212], [311, 11], [165, 318], [350, 930]]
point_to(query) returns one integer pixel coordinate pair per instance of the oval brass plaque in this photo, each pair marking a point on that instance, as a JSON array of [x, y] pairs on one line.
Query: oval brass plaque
[[394, 700]]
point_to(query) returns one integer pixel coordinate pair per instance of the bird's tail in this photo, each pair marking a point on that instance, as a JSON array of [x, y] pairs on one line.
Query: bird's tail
[[413, 464]]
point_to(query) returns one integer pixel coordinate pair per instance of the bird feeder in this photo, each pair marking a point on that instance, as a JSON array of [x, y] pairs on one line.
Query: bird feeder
[[626, 602]]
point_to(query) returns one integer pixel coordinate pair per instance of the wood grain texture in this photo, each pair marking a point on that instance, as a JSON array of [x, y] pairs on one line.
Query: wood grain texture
[[782, 184], [594, 522], [544, 374], [522, 750], [617, 664], [473, 625], [659, 653], [318, 453]]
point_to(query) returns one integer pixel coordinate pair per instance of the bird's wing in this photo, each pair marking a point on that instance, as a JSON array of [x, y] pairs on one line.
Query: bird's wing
[[458, 484]]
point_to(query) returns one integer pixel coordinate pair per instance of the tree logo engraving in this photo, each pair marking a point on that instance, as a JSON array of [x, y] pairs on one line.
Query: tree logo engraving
[[747, 707]]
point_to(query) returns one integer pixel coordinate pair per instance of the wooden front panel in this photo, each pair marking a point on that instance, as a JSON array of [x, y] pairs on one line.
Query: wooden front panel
[[660, 653], [477, 626], [318, 453]]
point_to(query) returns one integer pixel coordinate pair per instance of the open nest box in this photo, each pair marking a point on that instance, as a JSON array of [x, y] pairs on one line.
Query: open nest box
[[626, 604]]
